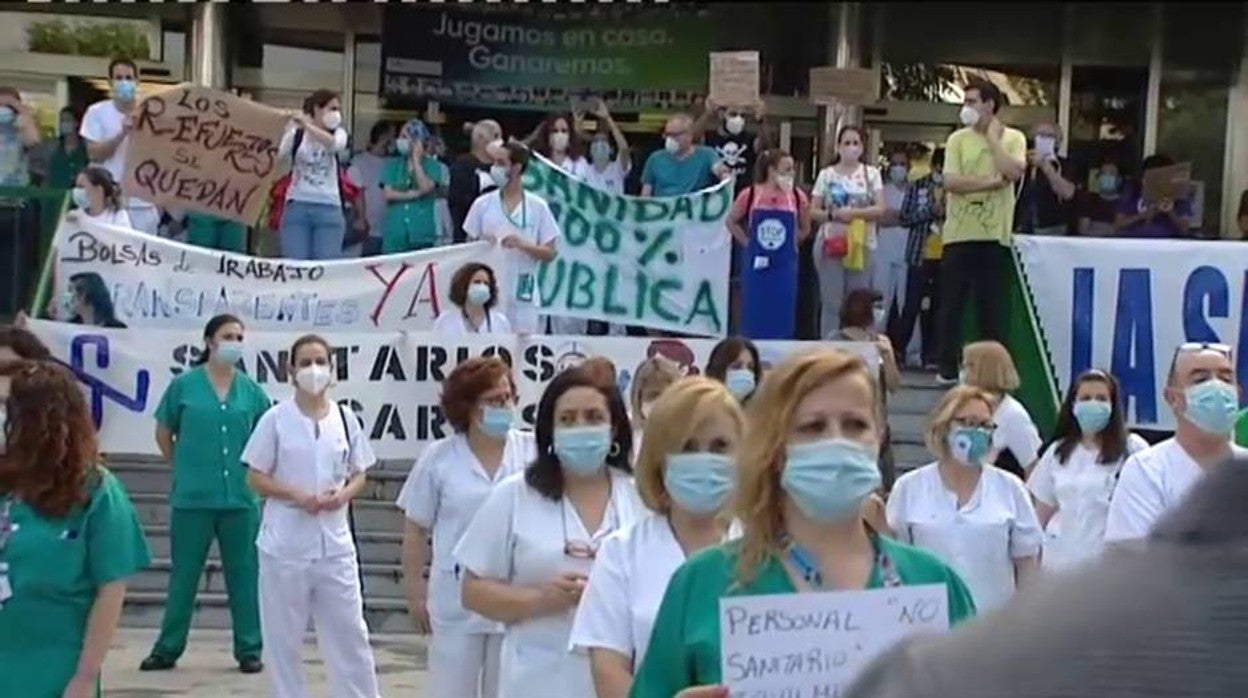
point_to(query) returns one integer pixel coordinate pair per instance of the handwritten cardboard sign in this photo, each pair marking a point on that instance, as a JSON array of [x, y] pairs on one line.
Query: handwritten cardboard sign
[[844, 85], [1166, 183], [809, 645], [734, 78], [204, 150]]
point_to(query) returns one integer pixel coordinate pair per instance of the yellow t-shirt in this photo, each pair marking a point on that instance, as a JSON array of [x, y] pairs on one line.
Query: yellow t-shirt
[[985, 216]]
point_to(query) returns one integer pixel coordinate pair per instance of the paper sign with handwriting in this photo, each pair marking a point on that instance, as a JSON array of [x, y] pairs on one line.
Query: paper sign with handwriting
[[204, 150], [163, 284], [813, 645], [734, 78]]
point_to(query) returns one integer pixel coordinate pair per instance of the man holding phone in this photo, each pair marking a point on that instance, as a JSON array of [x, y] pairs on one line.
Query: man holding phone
[[1044, 199]]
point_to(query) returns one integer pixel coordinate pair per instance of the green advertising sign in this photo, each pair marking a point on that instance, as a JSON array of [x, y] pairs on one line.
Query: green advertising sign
[[522, 58], [654, 262]]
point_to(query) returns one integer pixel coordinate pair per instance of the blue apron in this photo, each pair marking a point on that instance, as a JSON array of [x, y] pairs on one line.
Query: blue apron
[[769, 275]]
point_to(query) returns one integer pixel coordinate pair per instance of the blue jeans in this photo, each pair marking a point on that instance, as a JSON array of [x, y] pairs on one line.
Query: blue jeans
[[312, 231]]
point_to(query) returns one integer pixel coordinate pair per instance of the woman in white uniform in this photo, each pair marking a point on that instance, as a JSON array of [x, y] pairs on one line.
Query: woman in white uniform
[[652, 377], [522, 223], [1016, 441], [307, 457], [527, 554], [1078, 471], [685, 472], [978, 520], [474, 295], [444, 490]]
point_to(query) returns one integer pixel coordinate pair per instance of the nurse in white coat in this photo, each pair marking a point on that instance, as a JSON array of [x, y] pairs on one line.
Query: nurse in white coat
[[308, 457], [1077, 472], [527, 554], [978, 520], [686, 471], [443, 492], [1016, 441], [474, 304]]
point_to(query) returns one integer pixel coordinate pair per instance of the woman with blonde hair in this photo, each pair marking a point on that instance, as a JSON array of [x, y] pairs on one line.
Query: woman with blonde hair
[[805, 470], [653, 376], [977, 520], [685, 474], [1016, 441]]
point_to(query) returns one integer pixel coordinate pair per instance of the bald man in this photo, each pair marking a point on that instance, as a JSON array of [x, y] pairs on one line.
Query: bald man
[[681, 167], [1202, 391]]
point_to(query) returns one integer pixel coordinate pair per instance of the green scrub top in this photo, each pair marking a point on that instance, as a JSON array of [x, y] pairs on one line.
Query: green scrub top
[[209, 436], [56, 566], [684, 644], [64, 166], [410, 225], [1241, 429]]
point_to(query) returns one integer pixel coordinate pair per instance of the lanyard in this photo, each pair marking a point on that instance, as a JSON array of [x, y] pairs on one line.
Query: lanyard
[[809, 568], [524, 210], [489, 324]]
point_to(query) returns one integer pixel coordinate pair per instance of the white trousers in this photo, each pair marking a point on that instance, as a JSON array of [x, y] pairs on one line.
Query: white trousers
[[464, 665], [327, 591]]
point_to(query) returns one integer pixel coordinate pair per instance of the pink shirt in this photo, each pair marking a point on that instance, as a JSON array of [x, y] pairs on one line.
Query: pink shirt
[[771, 197]]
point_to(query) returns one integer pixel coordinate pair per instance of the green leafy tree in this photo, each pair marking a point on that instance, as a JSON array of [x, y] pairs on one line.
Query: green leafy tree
[[103, 39]]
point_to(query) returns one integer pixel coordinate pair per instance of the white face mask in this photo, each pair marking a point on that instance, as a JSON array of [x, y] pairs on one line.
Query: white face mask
[[332, 119], [968, 116], [785, 182], [734, 124], [672, 145], [559, 141], [313, 379]]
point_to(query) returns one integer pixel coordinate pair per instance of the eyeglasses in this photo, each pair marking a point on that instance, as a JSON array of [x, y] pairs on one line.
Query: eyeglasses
[[588, 550], [1193, 347], [970, 424]]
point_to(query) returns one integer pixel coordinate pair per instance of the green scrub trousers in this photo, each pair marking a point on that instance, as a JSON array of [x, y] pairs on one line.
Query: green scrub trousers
[[215, 233], [211, 501]]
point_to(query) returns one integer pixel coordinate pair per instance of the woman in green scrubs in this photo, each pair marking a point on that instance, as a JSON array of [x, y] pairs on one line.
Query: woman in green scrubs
[[413, 182], [69, 538], [68, 155], [203, 421], [806, 472]]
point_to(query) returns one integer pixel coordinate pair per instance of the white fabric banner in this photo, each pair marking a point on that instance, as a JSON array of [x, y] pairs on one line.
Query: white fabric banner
[[164, 284], [1125, 305], [392, 380]]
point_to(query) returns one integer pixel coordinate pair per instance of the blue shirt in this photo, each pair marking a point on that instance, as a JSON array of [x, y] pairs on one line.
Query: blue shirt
[[14, 167], [669, 175]]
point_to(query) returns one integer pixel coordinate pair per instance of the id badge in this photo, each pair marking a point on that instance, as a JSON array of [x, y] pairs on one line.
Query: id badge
[[761, 262], [524, 288]]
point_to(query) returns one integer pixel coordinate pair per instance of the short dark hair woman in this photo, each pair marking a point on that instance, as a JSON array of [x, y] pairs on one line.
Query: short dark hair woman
[[69, 537], [474, 296], [528, 551], [1079, 468], [203, 422], [735, 363]]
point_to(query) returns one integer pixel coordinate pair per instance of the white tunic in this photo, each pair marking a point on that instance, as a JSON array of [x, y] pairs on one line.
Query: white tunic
[[285, 446], [518, 537], [442, 494], [1015, 433], [451, 322], [532, 221], [1079, 489], [1152, 483], [980, 540]]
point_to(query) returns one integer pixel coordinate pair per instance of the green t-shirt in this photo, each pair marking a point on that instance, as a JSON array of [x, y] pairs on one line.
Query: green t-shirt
[[684, 644], [984, 216], [56, 567], [209, 436], [411, 225]]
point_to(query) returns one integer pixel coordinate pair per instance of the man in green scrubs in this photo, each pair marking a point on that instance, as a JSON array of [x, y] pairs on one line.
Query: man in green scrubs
[[56, 566], [684, 645], [211, 499]]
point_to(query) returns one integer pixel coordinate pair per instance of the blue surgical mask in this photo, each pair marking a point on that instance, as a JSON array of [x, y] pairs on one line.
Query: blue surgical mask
[[7, 115], [600, 151], [897, 174], [699, 483], [124, 89], [582, 450], [740, 382], [829, 479], [970, 445], [1092, 415], [1212, 406], [1107, 183], [228, 352], [878, 316], [478, 293], [66, 127], [67, 308], [496, 421], [498, 173], [81, 200], [403, 146]]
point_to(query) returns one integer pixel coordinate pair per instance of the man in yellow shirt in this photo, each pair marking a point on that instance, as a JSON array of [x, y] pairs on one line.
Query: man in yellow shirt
[[983, 160]]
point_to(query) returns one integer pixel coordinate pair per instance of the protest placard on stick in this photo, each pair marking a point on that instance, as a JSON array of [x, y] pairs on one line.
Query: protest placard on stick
[[204, 150], [734, 78]]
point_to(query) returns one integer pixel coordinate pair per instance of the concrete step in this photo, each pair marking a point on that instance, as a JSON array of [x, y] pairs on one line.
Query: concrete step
[[371, 515], [144, 609], [374, 547], [380, 581]]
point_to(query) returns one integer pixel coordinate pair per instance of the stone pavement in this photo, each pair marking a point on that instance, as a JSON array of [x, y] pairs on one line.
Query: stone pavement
[[208, 669]]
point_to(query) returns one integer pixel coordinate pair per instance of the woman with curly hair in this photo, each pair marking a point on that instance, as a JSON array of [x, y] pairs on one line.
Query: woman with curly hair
[[69, 538]]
